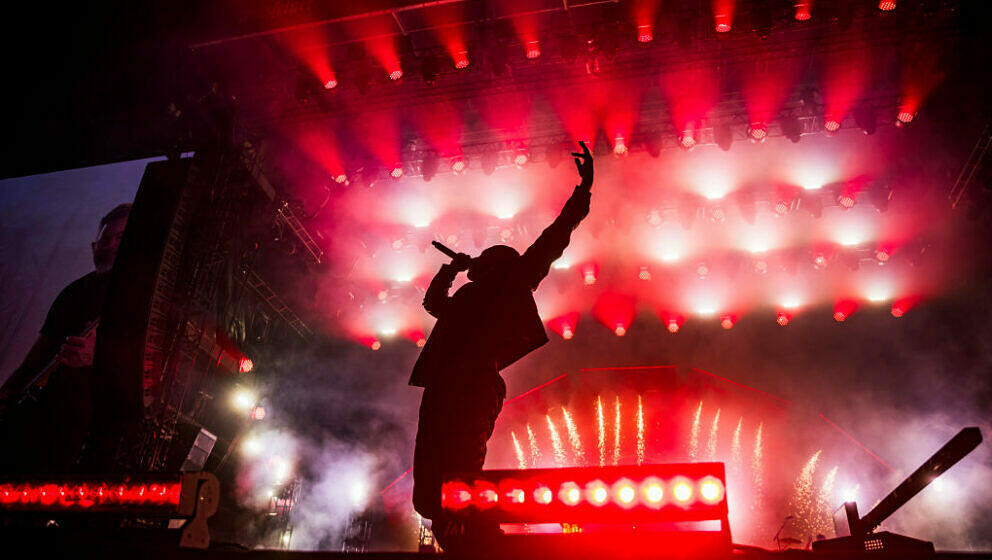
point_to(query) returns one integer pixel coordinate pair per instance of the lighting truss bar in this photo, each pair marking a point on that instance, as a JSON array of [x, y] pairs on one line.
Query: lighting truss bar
[[276, 303], [974, 162], [286, 215]]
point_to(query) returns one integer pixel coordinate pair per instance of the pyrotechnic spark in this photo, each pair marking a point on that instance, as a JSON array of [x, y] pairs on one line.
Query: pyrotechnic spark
[[735, 446], [535, 451], [824, 513], [694, 436], [601, 441], [616, 433], [756, 469], [519, 451], [556, 442], [711, 443], [802, 502], [640, 431], [573, 437]]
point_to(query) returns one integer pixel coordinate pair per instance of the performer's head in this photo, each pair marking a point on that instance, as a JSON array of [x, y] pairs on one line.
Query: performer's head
[[108, 237], [490, 260]]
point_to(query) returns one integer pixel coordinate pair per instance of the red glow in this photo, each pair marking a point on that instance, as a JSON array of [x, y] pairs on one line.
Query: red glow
[[396, 74], [565, 324], [612, 310], [624, 493], [727, 322], [905, 116], [570, 494], [843, 309], [887, 5], [619, 146], [883, 254], [397, 172], [533, 49], [461, 59], [331, 83], [831, 124], [782, 318], [843, 83], [459, 166], [620, 330], [673, 326], [257, 413], [245, 365], [686, 140], [653, 492], [375, 345], [421, 342], [85, 495], [803, 10], [597, 494]]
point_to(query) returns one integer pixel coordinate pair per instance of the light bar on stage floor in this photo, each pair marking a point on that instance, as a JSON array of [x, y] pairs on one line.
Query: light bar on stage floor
[[191, 496]]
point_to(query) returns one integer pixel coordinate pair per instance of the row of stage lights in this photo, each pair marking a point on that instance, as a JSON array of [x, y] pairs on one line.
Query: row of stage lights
[[723, 23], [843, 309], [693, 134], [652, 493]]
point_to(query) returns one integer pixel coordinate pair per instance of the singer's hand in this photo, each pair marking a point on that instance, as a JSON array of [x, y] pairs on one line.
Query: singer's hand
[[583, 162], [461, 262]]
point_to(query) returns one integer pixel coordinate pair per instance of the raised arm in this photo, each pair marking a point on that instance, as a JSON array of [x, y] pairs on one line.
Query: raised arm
[[549, 246], [436, 299]]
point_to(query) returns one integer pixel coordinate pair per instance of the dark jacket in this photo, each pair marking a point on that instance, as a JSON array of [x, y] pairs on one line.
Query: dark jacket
[[494, 320]]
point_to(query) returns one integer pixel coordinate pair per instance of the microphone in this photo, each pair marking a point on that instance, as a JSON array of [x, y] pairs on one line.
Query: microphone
[[441, 247]]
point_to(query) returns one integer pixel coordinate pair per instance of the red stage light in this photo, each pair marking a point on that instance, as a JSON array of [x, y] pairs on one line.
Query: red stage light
[[485, 495], [520, 159], [897, 311], [589, 276], [702, 269], [567, 333], [619, 146], [819, 261], [86, 495], [596, 493], [459, 166], [515, 495], [644, 273], [421, 342], [782, 318], [331, 84], [673, 326], [543, 495], [396, 74], [727, 322], [257, 413], [882, 254], [570, 494], [624, 493], [839, 316], [757, 131], [397, 171], [533, 49], [887, 5], [653, 492], [846, 200], [711, 490], [340, 178], [831, 124], [644, 34], [803, 12], [905, 117], [682, 491], [843, 309], [245, 365], [620, 330], [722, 23], [455, 495], [375, 345], [461, 59], [686, 140]]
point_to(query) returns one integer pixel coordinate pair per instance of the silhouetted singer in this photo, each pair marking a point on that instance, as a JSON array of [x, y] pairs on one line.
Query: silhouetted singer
[[488, 324]]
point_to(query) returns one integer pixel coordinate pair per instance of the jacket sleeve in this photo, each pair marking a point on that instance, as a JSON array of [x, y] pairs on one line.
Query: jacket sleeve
[[549, 246], [436, 299]]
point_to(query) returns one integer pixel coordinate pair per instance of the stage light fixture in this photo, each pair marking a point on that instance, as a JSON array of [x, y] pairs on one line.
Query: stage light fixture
[[644, 34], [723, 136], [846, 198], [619, 146], [803, 10], [722, 22], [687, 139], [757, 131], [341, 179], [819, 260], [461, 60], [727, 322], [376, 345], [887, 5], [396, 74], [257, 413], [459, 165], [883, 254], [533, 49], [831, 124], [760, 265], [567, 333], [521, 157], [702, 269], [331, 83], [644, 273], [905, 117], [397, 170], [791, 128], [864, 117], [782, 318], [717, 214], [243, 399], [786, 201], [245, 365], [673, 326]]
